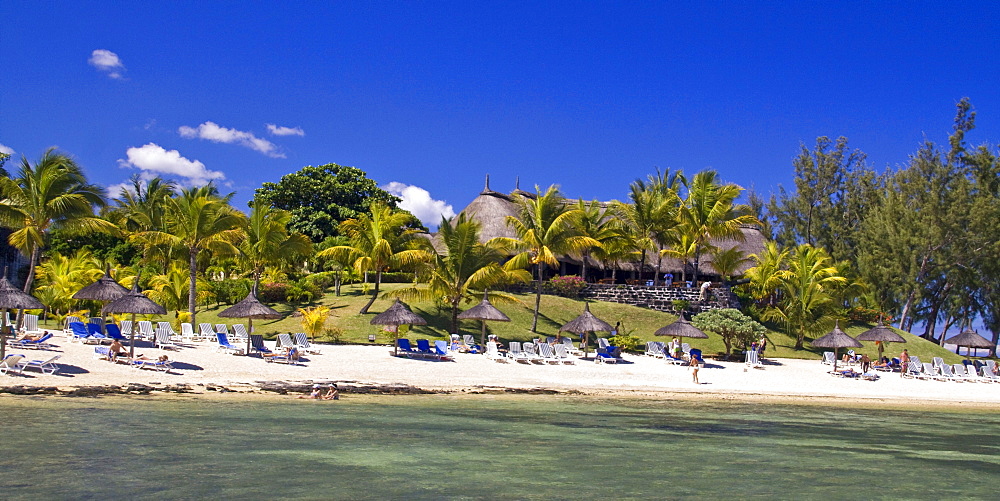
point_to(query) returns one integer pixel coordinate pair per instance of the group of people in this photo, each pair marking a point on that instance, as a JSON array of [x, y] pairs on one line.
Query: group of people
[[332, 393], [117, 351]]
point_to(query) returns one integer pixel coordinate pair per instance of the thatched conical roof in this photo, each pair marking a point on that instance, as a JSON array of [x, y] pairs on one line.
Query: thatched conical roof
[[484, 311], [135, 302], [490, 209], [681, 328], [970, 339], [104, 289], [249, 307], [586, 322], [12, 297], [881, 333], [398, 314], [837, 339]]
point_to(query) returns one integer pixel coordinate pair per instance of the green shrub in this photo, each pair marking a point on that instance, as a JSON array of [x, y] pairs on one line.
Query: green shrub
[[397, 277], [230, 290], [625, 342]]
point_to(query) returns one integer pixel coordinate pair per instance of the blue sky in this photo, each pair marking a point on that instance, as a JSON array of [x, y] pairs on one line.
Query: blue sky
[[435, 95]]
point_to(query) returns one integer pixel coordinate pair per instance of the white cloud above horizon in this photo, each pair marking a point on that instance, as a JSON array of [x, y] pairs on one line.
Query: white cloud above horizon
[[6, 149], [420, 203], [212, 131], [278, 130], [108, 62], [153, 160]]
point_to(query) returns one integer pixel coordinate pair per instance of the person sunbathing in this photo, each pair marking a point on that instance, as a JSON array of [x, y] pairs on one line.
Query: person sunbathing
[[31, 337], [117, 349], [883, 363], [333, 393], [290, 353]]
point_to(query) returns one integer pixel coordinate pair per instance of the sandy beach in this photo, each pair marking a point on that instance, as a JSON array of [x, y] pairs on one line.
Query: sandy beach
[[200, 366]]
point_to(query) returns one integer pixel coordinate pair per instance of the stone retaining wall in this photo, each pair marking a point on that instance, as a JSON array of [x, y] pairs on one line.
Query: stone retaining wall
[[654, 298]]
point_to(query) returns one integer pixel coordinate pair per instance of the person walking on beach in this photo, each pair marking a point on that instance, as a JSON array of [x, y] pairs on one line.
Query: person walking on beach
[[694, 369], [866, 363]]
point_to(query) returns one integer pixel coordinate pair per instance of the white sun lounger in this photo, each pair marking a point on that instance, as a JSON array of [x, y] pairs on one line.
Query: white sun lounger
[[163, 339], [303, 344], [146, 330], [547, 354], [11, 364], [562, 354], [44, 366], [828, 357], [206, 332]]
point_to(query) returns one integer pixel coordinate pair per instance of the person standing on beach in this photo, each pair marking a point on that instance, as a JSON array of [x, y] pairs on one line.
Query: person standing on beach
[[904, 362], [866, 363], [694, 369]]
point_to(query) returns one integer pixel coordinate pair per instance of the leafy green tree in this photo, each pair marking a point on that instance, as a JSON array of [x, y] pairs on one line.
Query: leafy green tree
[[464, 268], [52, 193], [646, 220], [61, 276], [379, 240], [710, 213], [198, 220], [544, 232], [765, 276], [320, 198], [731, 325], [267, 241]]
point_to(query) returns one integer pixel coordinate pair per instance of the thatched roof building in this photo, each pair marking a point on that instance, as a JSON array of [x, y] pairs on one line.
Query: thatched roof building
[[491, 209]]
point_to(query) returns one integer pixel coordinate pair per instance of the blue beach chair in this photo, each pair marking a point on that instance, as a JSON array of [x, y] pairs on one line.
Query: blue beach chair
[[424, 347], [114, 332], [79, 331], [441, 351], [225, 346], [405, 349], [36, 344]]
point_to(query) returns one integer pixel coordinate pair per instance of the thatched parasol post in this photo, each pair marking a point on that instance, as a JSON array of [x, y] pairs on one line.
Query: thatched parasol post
[[12, 297], [135, 302], [396, 315]]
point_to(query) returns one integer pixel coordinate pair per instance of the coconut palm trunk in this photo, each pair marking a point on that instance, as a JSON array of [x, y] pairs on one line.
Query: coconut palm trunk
[[378, 281]]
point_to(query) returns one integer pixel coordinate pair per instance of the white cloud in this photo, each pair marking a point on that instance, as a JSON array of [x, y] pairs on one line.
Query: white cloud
[[6, 149], [419, 202], [217, 134], [278, 130], [108, 62], [152, 159]]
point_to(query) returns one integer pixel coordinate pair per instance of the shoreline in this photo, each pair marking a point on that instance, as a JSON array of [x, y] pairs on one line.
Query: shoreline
[[200, 371]]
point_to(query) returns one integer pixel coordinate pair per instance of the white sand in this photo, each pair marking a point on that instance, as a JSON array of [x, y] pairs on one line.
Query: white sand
[[785, 379]]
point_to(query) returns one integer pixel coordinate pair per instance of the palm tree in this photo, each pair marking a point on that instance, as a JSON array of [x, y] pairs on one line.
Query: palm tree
[[727, 262], [809, 293], [709, 213], [59, 277], [591, 221], [198, 219], [379, 240], [464, 268], [544, 232], [143, 207], [645, 222], [267, 241], [766, 274], [51, 193]]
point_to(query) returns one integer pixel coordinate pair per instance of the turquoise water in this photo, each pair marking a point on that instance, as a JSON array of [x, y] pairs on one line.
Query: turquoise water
[[488, 447]]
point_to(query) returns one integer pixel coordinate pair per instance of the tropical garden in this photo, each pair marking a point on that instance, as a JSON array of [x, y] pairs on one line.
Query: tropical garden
[[916, 246]]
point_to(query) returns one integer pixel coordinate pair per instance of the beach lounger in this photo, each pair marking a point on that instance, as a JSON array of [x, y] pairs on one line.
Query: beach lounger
[[441, 351], [67, 321], [240, 331], [126, 328], [223, 328], [547, 355], [471, 343], [292, 358], [163, 339], [968, 373], [79, 331], [44, 366], [686, 348], [914, 358], [937, 362], [224, 345], [146, 331], [828, 357], [424, 348], [670, 359], [947, 374], [562, 354], [992, 364], [39, 343], [257, 344], [695, 353], [206, 331], [931, 372], [303, 344], [96, 335], [989, 375], [530, 350], [493, 353], [187, 332], [30, 324], [573, 350], [11, 364], [653, 349], [169, 328], [753, 358], [157, 365], [514, 352], [604, 356], [114, 332], [284, 341], [102, 353], [405, 349]]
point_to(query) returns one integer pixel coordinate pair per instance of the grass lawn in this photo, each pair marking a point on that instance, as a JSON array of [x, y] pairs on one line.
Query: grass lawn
[[555, 312]]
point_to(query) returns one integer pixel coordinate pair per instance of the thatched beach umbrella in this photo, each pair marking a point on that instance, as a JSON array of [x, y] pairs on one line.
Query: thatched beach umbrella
[[12, 297], [681, 329], [136, 303], [397, 314], [249, 308], [882, 335], [104, 289], [585, 324], [484, 311], [970, 339], [836, 339]]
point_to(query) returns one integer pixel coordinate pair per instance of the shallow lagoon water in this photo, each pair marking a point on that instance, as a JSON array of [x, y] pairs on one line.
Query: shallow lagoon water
[[513, 447]]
